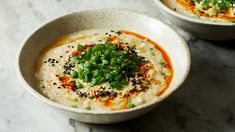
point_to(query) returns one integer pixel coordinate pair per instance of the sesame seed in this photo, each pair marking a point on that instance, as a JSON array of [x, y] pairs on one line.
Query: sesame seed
[[118, 33]]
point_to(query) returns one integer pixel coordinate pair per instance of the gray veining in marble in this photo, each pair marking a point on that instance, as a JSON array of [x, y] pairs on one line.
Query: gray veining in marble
[[205, 103]]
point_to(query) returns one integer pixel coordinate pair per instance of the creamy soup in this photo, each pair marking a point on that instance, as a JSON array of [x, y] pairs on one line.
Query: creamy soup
[[211, 10], [103, 70]]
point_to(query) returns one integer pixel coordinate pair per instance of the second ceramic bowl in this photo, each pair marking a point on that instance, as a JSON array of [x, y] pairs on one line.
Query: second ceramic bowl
[[201, 28]]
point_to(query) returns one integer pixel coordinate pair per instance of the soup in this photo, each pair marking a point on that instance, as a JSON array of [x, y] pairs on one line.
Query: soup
[[211, 10], [103, 70]]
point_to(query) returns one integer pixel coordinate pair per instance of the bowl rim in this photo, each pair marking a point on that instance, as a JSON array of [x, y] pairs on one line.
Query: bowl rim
[[190, 19], [95, 112]]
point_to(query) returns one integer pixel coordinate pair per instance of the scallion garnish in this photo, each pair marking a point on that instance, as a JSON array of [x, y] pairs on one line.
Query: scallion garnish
[[106, 63], [130, 105], [80, 47]]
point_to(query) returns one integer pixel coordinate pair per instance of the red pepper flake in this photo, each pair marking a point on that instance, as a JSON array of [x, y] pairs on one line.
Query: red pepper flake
[[112, 38], [75, 52], [145, 68], [66, 83], [107, 102], [69, 85], [88, 46], [64, 79]]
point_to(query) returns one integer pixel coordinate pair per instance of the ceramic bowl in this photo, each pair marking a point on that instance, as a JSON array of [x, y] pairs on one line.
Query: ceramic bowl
[[167, 38], [201, 28]]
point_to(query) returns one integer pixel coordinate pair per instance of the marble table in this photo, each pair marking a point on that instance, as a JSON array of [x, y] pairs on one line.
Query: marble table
[[205, 102]]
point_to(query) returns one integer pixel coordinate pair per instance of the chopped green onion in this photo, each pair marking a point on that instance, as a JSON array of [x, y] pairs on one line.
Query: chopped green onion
[[74, 106], [130, 105], [80, 47], [40, 81], [74, 74], [73, 99], [78, 84], [163, 63], [162, 73], [105, 63], [88, 108]]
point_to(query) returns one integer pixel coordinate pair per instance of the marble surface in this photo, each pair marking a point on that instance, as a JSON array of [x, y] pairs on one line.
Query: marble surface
[[205, 103]]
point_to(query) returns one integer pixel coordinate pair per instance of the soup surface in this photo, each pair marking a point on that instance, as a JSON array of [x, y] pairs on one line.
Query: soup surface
[[212, 10], [100, 70]]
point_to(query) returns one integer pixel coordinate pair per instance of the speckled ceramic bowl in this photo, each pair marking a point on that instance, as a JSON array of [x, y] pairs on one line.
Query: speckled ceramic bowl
[[201, 28], [174, 45]]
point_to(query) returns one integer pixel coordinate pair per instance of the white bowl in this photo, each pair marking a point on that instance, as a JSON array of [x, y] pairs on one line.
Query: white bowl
[[167, 38], [201, 28]]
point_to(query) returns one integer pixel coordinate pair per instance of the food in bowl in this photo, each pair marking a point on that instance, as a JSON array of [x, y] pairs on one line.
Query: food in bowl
[[100, 70], [212, 10]]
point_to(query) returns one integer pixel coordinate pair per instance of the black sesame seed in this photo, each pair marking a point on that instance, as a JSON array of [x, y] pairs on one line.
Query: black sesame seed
[[61, 56], [45, 61], [43, 86], [112, 31], [54, 83], [57, 62], [109, 35], [58, 87], [118, 33], [53, 65], [106, 33], [67, 51], [72, 46]]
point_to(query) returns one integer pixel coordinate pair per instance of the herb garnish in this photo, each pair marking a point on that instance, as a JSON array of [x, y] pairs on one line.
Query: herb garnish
[[219, 6], [106, 63]]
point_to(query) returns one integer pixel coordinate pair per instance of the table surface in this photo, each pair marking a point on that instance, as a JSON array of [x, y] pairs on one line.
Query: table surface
[[205, 102]]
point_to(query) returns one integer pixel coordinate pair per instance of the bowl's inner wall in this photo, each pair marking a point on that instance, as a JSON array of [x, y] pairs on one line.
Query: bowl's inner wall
[[117, 19]]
